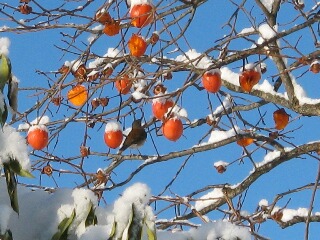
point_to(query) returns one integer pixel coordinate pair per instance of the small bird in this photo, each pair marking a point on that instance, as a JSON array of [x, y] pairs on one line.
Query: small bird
[[136, 137]]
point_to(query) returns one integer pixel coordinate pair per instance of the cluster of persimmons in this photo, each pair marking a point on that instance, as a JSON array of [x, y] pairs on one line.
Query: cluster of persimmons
[[162, 105]]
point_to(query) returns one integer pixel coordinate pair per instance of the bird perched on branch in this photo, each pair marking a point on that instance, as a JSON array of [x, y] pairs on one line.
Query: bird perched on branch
[[136, 137]]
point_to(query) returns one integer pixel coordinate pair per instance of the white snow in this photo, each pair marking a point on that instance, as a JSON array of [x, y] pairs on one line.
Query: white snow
[[218, 135], [226, 104], [138, 195], [220, 230], [173, 51], [192, 56], [160, 98], [82, 201], [132, 3], [96, 232], [92, 73], [75, 65], [4, 45], [40, 126], [41, 120], [67, 64], [140, 82], [13, 145], [37, 121], [138, 95], [209, 231], [247, 30], [98, 27], [96, 62], [108, 65], [265, 86], [42, 223], [270, 156], [267, 32], [113, 53], [5, 213], [230, 76], [177, 111], [268, 4], [251, 66], [213, 71], [208, 199], [113, 127], [263, 203], [289, 214], [220, 163], [314, 62], [301, 94]]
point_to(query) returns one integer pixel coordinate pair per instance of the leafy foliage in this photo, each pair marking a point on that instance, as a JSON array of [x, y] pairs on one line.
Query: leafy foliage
[[12, 168]]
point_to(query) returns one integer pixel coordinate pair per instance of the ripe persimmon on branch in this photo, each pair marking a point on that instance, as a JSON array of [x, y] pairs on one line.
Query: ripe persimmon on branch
[[218, 98]]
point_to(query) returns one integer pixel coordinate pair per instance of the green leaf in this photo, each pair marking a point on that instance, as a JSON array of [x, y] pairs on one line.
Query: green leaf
[[151, 234], [3, 114], [91, 218], [10, 169], [151, 231], [7, 235], [135, 226], [125, 233], [63, 227], [113, 230], [12, 187], [15, 166]]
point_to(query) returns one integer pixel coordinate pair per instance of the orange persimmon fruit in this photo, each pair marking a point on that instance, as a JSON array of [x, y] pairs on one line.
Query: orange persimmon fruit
[[112, 28], [137, 45], [123, 84], [78, 95], [246, 141], [160, 107], [37, 137], [249, 78], [113, 135], [281, 119], [315, 67], [211, 81], [154, 38], [172, 129], [102, 16], [141, 15]]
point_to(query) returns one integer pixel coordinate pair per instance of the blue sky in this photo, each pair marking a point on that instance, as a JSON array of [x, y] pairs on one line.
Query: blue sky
[[35, 51]]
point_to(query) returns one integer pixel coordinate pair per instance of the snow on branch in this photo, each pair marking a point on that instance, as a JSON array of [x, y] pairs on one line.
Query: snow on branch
[[270, 162]]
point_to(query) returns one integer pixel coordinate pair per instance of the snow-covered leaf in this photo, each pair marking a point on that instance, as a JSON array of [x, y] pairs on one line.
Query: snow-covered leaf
[[16, 167], [91, 218], [11, 187], [135, 228], [63, 227]]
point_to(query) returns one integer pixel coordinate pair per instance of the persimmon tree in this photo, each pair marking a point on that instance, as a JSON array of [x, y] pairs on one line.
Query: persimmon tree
[[226, 92]]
